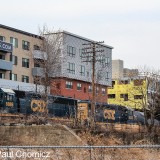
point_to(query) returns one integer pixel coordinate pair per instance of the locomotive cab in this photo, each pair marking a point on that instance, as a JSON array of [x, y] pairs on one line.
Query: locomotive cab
[[7, 100]]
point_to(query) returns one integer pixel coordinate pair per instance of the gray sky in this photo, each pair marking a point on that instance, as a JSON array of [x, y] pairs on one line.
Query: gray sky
[[132, 27]]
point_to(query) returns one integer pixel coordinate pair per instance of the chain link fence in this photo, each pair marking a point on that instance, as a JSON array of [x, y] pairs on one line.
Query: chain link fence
[[136, 152]]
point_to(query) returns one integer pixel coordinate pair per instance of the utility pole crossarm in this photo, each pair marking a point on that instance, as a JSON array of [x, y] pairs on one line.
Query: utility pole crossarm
[[91, 51]]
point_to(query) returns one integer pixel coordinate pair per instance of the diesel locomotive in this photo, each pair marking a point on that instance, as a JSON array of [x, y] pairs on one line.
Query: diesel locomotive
[[26, 103]]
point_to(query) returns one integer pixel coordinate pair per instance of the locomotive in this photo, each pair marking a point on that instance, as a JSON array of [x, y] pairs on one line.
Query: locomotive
[[27, 103]]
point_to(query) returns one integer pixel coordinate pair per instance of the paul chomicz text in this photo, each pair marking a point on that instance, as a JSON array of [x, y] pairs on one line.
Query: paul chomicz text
[[23, 154]]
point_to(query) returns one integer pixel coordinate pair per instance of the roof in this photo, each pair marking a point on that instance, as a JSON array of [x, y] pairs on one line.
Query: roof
[[7, 90], [83, 38], [20, 31]]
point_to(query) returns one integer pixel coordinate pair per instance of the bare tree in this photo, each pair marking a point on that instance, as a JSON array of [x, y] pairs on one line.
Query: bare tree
[[147, 87], [48, 58]]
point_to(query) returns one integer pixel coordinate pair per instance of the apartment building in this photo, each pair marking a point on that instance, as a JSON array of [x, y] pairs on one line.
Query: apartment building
[[16, 60], [128, 92], [74, 77]]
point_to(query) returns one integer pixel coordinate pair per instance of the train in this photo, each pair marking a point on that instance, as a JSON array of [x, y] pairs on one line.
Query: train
[[30, 103]]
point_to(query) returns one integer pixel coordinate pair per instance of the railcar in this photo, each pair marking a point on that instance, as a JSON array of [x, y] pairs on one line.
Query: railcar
[[27, 103], [104, 112]]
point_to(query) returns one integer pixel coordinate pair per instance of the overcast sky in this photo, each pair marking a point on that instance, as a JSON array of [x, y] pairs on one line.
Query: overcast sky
[[132, 27]]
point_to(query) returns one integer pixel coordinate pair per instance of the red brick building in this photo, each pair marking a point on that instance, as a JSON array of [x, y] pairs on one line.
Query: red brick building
[[78, 89]]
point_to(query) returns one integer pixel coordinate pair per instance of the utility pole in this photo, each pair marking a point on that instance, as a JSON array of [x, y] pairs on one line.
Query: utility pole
[[89, 55]]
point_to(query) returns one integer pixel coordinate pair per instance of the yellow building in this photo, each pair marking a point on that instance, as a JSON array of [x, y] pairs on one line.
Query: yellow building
[[128, 92]]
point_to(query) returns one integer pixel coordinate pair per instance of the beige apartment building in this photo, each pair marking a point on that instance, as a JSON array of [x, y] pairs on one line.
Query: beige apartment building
[[17, 63]]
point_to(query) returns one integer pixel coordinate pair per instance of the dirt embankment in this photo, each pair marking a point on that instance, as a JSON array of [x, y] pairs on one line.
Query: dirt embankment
[[41, 135]]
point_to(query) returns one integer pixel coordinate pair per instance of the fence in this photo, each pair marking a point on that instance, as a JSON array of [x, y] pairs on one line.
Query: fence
[[136, 152]]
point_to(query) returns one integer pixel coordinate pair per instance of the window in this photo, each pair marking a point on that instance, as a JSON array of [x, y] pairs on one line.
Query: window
[[71, 68], [79, 86], [138, 82], [82, 71], [81, 51], [104, 61], [137, 96], [2, 38], [13, 77], [125, 96], [103, 91], [107, 76], [25, 62], [14, 41], [36, 47], [9, 97], [89, 88], [2, 56], [2, 76], [97, 89], [113, 83], [25, 45], [69, 85], [71, 51], [125, 82], [111, 96], [107, 60], [25, 79], [14, 59], [87, 74]]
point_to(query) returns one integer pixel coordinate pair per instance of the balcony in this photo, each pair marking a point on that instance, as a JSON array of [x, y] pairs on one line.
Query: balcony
[[36, 71], [37, 54], [6, 65]]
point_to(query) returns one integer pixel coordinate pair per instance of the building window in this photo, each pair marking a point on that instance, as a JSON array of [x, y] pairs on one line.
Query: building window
[[138, 82], [104, 61], [2, 38], [69, 84], [82, 71], [103, 91], [125, 82], [13, 77], [97, 89], [79, 86], [25, 79], [25, 45], [125, 96], [14, 42], [87, 74], [107, 76], [89, 88], [2, 76], [138, 96], [2, 56], [81, 51], [25, 62], [107, 60], [113, 83], [71, 68], [36, 47], [111, 96], [71, 51], [14, 59]]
